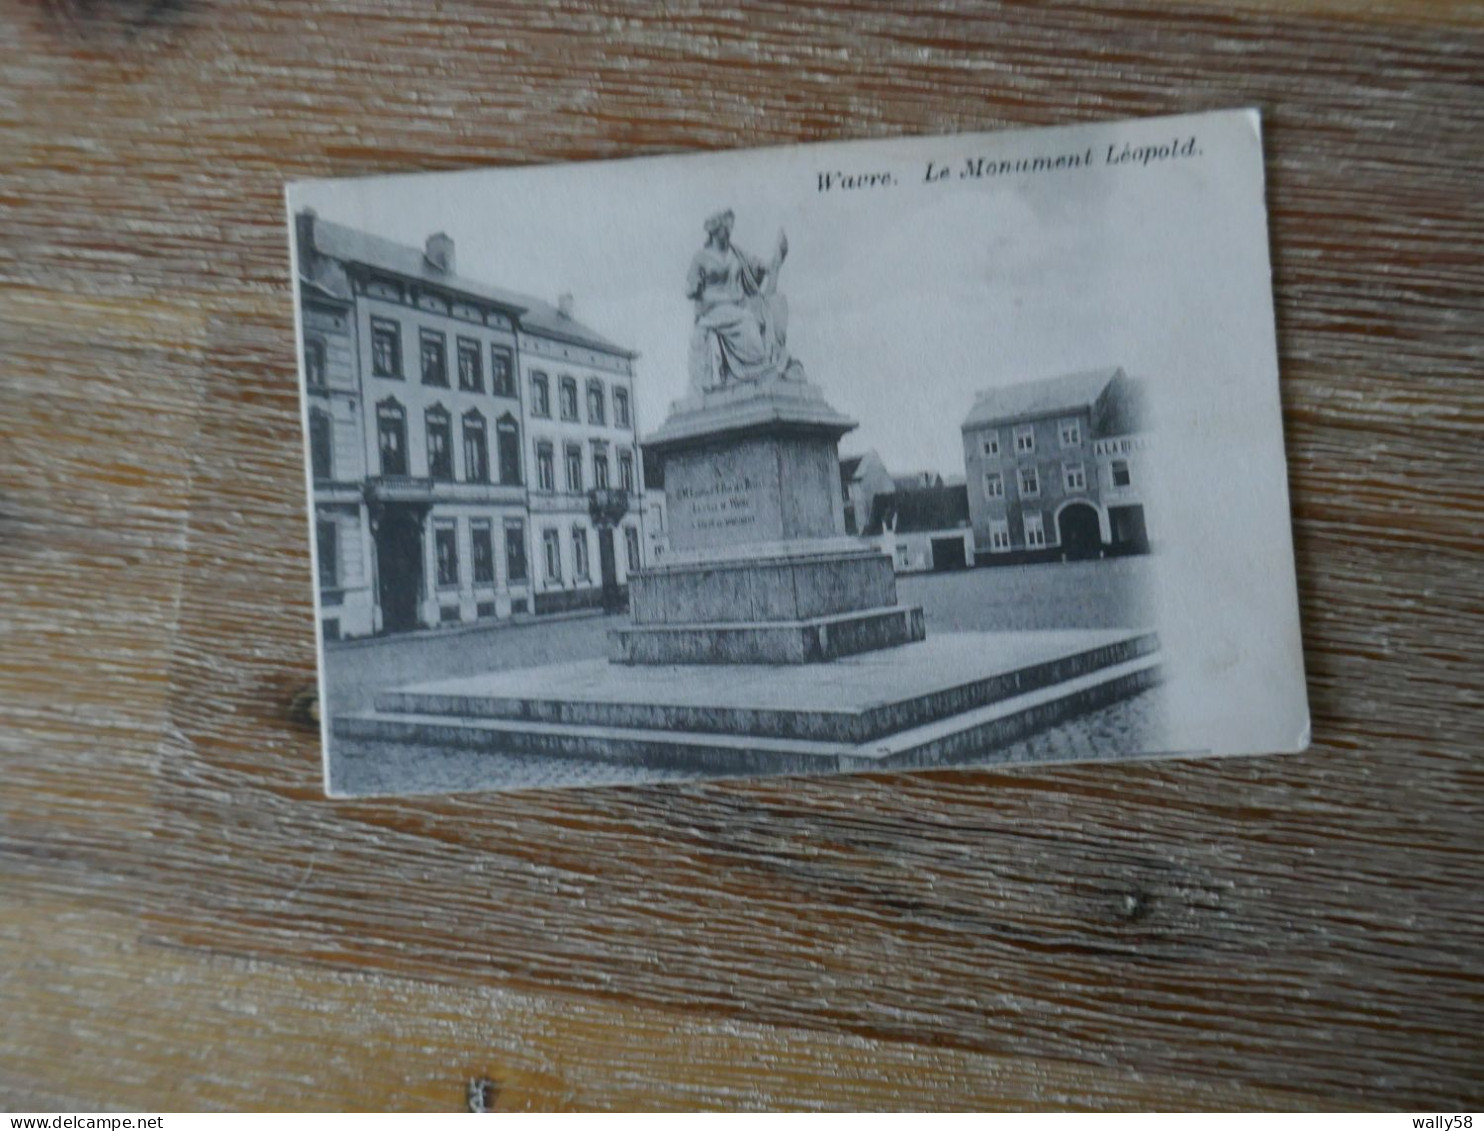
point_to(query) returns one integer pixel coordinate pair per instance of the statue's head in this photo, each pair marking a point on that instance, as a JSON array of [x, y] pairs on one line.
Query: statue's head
[[719, 225]]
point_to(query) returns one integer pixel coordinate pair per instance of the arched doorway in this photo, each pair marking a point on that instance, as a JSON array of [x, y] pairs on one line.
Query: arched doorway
[[1077, 527]]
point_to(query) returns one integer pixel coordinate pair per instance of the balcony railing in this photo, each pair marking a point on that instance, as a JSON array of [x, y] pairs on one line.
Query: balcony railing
[[425, 489], [399, 489]]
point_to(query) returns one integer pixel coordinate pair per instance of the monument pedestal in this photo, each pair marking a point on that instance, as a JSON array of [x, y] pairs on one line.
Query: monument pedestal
[[759, 571], [789, 610]]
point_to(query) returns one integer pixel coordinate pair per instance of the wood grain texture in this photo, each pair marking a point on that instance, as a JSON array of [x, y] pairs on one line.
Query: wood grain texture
[[188, 922]]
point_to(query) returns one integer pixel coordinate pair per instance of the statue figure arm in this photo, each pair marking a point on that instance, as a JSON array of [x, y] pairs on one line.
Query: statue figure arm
[[762, 278], [754, 271], [695, 279]]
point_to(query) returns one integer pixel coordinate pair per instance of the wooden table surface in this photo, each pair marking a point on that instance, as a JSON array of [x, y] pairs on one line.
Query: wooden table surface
[[185, 920]]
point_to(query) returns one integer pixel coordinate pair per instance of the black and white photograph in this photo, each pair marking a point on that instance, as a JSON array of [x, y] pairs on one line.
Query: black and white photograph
[[863, 456]]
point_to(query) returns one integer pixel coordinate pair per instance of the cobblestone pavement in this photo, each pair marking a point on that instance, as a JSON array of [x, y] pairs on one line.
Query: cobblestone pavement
[[1130, 728], [1121, 730]]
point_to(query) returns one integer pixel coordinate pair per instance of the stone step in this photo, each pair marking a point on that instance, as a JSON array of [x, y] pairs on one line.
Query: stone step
[[971, 736], [721, 753], [860, 703], [964, 738]]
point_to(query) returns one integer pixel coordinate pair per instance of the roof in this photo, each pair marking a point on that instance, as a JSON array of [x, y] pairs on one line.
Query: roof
[[917, 512], [849, 465], [340, 242], [546, 319], [1040, 398], [916, 481]]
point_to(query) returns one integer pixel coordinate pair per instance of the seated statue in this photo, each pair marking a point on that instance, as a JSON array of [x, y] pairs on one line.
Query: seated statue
[[741, 329]]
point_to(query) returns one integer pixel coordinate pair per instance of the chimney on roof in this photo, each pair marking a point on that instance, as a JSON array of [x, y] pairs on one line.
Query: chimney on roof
[[564, 304], [305, 222], [439, 252]]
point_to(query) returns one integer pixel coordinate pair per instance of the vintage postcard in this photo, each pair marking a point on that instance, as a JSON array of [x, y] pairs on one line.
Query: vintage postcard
[[858, 456]]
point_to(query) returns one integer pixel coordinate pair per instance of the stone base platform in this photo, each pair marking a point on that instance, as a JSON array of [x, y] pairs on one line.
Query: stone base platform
[[948, 700], [795, 604], [813, 641]]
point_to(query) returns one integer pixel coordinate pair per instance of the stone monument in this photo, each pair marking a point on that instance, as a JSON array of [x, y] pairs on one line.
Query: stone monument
[[759, 568]]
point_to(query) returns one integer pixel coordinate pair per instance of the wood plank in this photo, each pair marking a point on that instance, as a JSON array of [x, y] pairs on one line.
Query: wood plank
[[218, 1031]]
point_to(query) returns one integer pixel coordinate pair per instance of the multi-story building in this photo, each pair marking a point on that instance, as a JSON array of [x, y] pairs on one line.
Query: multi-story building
[[581, 422], [1055, 468], [335, 427], [418, 432]]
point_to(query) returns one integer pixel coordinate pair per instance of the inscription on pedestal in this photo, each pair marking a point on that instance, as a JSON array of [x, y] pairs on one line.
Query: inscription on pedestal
[[752, 490], [724, 505], [722, 496]]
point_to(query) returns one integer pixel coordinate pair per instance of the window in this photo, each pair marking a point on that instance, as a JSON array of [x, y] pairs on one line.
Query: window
[[621, 408], [321, 444], [1073, 477], [626, 471], [476, 448], [314, 363], [600, 467], [1121, 476], [1035, 533], [1071, 433], [579, 553], [596, 408], [327, 542], [991, 444], [545, 469], [446, 546], [471, 376], [386, 348], [1030, 483], [1025, 438], [515, 552], [569, 398], [440, 444], [540, 395], [435, 357], [631, 545], [507, 441], [391, 437], [999, 536], [502, 372], [551, 543], [574, 469], [994, 485], [482, 543]]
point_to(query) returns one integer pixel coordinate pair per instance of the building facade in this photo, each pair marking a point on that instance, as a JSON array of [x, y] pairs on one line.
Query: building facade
[[419, 436], [582, 437], [924, 528], [335, 432], [1056, 469], [862, 478]]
